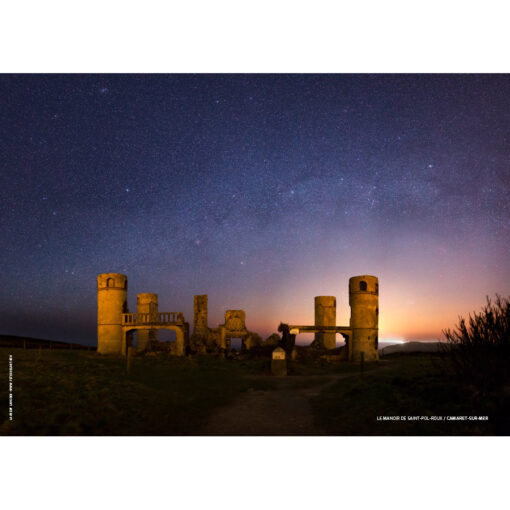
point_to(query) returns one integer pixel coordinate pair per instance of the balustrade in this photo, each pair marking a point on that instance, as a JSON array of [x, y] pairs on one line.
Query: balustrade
[[140, 319]]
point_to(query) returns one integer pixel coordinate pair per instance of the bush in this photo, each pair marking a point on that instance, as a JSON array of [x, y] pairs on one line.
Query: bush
[[479, 348]]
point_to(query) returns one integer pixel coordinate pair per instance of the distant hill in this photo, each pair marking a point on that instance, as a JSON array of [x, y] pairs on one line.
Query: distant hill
[[412, 347], [25, 342]]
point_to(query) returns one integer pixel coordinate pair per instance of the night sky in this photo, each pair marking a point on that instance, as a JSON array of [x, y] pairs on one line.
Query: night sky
[[262, 191]]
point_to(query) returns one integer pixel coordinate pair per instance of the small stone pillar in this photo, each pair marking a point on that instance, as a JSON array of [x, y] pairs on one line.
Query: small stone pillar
[[278, 362]]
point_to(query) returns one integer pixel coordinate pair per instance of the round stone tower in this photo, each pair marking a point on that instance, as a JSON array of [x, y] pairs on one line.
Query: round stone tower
[[364, 303], [325, 315], [147, 303], [111, 304]]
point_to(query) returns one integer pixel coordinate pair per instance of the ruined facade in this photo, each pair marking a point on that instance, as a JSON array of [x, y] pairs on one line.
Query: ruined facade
[[362, 333], [205, 339], [115, 324]]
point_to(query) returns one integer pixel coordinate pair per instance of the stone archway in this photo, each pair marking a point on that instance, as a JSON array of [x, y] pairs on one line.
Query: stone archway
[[235, 327], [180, 336]]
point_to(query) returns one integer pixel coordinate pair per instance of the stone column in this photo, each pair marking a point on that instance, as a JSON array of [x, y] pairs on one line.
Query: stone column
[[200, 315], [147, 303], [325, 315]]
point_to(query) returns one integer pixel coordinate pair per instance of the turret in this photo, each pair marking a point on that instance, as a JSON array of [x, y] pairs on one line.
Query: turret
[[325, 315], [364, 303], [147, 303], [111, 304]]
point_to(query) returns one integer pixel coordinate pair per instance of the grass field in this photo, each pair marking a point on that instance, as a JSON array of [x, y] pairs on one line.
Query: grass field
[[82, 393], [418, 388], [60, 392]]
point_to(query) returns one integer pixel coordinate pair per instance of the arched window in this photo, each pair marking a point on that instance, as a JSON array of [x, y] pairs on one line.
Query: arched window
[[376, 342], [110, 282], [362, 285], [377, 288], [377, 311]]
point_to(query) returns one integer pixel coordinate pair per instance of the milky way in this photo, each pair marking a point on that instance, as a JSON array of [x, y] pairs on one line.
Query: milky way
[[262, 191]]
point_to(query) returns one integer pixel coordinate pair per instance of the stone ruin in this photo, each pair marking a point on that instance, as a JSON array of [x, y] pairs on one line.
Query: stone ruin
[[361, 335], [115, 324], [210, 340]]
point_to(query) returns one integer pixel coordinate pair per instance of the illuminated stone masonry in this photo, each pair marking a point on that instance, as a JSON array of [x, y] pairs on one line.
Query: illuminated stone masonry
[[115, 325], [362, 334], [205, 339]]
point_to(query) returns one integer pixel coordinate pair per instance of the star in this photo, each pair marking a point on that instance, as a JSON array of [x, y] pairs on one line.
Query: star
[[285, 178]]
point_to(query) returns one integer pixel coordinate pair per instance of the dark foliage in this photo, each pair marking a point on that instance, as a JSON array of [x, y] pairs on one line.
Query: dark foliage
[[479, 348]]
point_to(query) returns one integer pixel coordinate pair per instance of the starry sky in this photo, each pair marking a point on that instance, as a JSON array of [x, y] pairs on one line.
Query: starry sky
[[261, 191]]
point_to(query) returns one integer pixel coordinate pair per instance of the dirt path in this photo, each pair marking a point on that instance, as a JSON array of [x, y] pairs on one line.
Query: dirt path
[[285, 410]]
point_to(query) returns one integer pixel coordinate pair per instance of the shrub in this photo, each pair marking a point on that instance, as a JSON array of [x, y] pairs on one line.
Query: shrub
[[479, 348]]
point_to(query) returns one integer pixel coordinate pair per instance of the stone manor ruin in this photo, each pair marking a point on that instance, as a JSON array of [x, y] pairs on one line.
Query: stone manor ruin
[[207, 339], [116, 325], [362, 334]]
